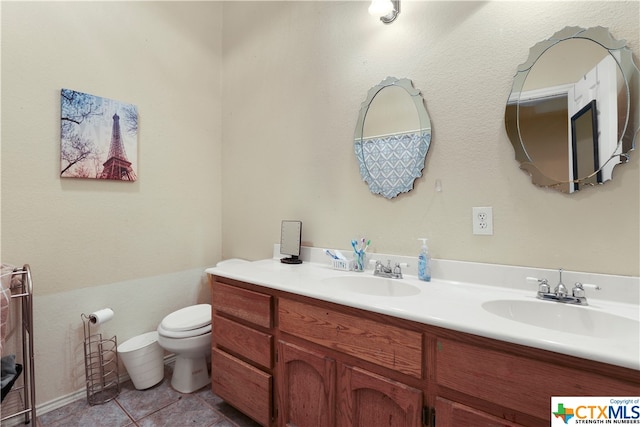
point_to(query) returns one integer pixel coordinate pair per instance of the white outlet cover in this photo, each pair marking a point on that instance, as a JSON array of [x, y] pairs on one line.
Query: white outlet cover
[[482, 218]]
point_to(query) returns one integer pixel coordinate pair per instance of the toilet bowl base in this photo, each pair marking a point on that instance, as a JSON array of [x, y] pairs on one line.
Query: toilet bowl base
[[190, 374]]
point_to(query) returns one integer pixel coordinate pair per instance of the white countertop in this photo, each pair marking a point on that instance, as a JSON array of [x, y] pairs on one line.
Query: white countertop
[[453, 305]]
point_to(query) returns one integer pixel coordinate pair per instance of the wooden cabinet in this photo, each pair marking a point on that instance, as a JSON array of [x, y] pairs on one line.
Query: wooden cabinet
[[455, 414], [242, 385], [253, 307], [381, 343], [242, 355], [515, 383], [289, 360], [363, 398], [306, 387], [310, 396], [368, 399]]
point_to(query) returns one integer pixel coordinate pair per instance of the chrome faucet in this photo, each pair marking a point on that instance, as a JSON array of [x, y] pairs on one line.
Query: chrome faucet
[[560, 290], [381, 270], [561, 293]]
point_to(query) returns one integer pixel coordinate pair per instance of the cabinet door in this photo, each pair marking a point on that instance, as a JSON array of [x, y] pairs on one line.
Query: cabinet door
[[373, 400], [452, 414], [306, 387]]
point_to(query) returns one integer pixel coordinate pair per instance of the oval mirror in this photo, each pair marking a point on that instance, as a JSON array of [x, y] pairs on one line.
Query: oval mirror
[[392, 137], [573, 114]]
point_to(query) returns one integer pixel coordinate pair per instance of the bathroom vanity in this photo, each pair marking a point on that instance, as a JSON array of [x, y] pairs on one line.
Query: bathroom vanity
[[310, 355]]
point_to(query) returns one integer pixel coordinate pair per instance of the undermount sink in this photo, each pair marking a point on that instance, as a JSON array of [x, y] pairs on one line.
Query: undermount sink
[[370, 285], [566, 318]]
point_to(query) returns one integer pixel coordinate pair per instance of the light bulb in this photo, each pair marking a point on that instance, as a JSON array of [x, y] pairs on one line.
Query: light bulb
[[380, 7]]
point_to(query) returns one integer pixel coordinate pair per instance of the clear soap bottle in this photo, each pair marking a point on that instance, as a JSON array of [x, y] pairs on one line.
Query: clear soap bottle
[[424, 262]]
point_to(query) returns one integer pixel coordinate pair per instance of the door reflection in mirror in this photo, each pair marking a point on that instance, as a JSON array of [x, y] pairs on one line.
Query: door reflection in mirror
[[584, 146]]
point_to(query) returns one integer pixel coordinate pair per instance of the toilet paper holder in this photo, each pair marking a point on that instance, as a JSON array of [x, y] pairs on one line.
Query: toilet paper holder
[[100, 361]]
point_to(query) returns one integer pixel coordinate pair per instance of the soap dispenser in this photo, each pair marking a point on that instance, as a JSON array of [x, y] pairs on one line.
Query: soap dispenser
[[424, 262]]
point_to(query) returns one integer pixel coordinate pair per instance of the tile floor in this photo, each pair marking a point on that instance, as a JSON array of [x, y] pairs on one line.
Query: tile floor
[[155, 407]]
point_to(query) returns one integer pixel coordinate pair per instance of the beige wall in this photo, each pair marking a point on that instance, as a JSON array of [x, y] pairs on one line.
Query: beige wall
[[294, 77], [140, 247]]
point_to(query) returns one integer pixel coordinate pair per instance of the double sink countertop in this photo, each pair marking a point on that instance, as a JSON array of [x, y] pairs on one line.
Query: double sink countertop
[[607, 330]]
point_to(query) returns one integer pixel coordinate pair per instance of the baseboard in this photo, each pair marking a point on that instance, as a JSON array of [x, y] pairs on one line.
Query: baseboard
[[82, 393]]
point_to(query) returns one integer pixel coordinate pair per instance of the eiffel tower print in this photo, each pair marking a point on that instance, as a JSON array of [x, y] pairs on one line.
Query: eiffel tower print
[[98, 137], [117, 165]]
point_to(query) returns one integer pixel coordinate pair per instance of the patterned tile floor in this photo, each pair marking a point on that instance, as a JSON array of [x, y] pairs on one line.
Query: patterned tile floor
[[155, 407]]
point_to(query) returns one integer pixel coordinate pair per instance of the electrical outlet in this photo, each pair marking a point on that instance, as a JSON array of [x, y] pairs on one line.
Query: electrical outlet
[[483, 220]]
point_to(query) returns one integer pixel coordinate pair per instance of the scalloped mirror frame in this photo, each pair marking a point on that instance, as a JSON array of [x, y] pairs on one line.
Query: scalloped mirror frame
[[630, 124], [403, 154]]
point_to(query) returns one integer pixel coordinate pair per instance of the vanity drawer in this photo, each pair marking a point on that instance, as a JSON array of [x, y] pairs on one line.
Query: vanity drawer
[[385, 345], [520, 383], [249, 343], [245, 387], [254, 307]]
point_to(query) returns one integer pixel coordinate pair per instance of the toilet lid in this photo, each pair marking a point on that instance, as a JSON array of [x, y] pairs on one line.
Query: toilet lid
[[183, 334], [188, 318]]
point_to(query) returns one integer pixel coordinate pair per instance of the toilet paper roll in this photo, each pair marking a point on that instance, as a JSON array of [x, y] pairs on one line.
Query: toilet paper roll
[[101, 316]]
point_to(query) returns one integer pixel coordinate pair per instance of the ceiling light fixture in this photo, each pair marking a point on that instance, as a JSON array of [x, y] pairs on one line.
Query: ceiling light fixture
[[387, 10]]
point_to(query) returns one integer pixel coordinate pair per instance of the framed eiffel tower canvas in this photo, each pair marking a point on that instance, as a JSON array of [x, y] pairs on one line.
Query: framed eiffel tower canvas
[[98, 137]]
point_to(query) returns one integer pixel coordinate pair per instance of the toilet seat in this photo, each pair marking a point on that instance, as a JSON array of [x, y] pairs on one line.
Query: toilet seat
[[188, 318], [187, 322], [184, 334]]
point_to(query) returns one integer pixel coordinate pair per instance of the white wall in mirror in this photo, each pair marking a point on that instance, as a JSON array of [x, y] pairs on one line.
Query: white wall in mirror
[[552, 65], [383, 120]]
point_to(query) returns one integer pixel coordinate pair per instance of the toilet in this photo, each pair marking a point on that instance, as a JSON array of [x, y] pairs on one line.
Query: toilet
[[187, 334]]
